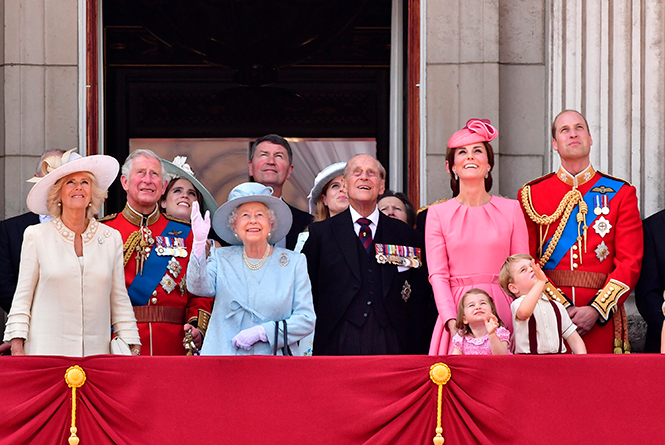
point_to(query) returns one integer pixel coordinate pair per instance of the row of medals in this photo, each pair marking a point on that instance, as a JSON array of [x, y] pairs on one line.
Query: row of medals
[[177, 249]]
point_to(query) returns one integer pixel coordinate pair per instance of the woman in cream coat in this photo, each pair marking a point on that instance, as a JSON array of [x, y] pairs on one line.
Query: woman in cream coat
[[71, 286]]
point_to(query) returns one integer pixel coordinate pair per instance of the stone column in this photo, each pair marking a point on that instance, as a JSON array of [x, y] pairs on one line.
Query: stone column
[[461, 57], [39, 94], [607, 60]]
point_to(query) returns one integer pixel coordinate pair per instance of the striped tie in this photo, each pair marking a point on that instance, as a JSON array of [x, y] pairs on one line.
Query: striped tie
[[365, 233]]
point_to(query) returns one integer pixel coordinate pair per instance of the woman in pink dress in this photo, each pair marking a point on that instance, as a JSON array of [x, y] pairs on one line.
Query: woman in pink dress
[[468, 237]]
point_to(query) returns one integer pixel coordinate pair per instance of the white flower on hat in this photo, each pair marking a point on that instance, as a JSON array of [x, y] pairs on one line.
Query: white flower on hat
[[181, 161]]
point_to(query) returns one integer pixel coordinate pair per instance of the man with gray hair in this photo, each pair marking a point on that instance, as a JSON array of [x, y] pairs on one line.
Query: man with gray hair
[[11, 239], [271, 164], [362, 265], [156, 250]]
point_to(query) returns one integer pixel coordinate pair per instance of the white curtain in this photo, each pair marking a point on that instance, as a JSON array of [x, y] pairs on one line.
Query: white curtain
[[310, 157]]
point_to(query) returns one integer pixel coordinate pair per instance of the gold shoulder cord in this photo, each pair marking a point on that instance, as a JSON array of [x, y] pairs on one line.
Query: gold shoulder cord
[[563, 211], [130, 246]]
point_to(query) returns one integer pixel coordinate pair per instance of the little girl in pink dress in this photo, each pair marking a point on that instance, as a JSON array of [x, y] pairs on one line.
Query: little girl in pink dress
[[480, 331]]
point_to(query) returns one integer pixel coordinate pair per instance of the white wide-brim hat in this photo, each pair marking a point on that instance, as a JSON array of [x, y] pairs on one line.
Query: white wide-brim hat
[[252, 192], [103, 167], [322, 179], [179, 169]]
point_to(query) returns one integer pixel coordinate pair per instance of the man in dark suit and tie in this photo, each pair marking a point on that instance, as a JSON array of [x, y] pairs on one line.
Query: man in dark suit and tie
[[362, 304], [271, 164], [11, 239]]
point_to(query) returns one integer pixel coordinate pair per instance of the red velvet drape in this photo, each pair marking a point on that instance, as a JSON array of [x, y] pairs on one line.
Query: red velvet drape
[[348, 400]]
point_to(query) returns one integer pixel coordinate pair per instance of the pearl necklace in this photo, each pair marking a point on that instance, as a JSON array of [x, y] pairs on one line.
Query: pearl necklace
[[258, 265]]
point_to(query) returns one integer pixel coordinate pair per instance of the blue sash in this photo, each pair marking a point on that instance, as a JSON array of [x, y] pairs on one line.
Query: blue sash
[[154, 268], [569, 234]]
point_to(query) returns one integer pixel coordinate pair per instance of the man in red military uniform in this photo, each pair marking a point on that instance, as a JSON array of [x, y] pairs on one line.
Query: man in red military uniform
[[156, 252], [585, 228]]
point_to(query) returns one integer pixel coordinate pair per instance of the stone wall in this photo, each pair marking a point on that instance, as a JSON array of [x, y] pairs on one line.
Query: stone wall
[[39, 94]]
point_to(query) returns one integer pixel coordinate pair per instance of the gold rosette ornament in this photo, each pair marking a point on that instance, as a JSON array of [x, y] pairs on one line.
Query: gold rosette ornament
[[75, 378], [439, 373]]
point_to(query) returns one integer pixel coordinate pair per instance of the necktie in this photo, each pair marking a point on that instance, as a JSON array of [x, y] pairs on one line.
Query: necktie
[[365, 233]]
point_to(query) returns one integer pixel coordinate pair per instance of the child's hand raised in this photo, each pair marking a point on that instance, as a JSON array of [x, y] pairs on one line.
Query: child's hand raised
[[491, 323], [540, 275]]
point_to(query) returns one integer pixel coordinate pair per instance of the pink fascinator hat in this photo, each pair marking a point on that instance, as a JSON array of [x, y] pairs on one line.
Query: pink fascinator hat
[[475, 130]]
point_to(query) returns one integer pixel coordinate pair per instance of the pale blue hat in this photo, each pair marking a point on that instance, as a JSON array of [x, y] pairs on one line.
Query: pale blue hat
[[322, 179], [252, 192]]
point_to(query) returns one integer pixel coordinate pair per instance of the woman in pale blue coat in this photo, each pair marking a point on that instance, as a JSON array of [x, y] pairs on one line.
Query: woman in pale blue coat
[[254, 283]]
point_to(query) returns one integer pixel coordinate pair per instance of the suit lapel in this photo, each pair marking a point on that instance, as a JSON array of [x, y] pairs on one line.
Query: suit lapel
[[346, 238], [388, 271]]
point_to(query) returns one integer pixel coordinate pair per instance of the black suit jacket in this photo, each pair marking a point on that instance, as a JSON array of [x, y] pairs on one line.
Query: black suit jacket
[[300, 222], [334, 270], [11, 239], [650, 286]]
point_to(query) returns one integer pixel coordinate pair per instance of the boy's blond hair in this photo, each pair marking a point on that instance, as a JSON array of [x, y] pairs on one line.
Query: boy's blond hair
[[505, 276]]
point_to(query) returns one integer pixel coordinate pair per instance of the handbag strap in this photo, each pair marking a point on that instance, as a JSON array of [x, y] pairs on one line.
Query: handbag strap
[[285, 349]]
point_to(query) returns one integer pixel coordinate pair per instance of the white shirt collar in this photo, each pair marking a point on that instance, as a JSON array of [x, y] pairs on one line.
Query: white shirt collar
[[374, 216]]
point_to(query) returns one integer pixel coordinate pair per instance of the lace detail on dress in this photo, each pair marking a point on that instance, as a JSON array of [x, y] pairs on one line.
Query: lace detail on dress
[[67, 234]]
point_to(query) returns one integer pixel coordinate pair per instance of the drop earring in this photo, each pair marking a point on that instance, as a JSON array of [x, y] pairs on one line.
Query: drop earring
[[455, 176]]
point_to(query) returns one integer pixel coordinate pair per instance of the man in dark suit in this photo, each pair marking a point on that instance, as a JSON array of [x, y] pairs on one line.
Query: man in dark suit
[[650, 286], [362, 305], [271, 164], [11, 239]]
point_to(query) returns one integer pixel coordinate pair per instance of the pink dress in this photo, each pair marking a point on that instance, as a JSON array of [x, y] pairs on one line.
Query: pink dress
[[466, 247], [470, 345]]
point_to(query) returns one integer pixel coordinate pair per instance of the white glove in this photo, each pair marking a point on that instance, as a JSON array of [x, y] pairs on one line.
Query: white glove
[[247, 337], [200, 228]]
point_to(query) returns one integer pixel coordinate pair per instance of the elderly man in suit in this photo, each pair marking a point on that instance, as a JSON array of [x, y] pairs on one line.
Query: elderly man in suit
[[11, 239], [362, 301], [271, 164]]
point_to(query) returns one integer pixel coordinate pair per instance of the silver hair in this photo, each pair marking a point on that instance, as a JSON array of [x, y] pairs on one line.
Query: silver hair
[[129, 162], [233, 217]]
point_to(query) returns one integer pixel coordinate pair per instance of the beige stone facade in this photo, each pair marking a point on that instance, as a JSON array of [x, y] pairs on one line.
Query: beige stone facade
[[521, 62], [515, 62], [39, 94]]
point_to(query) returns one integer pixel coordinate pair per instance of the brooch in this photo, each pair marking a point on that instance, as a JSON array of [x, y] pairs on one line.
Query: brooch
[[168, 283], [602, 226], [284, 259], [602, 252], [406, 291], [174, 267]]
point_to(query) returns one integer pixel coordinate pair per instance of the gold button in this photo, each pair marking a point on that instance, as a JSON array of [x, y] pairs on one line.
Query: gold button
[[602, 300], [575, 266], [153, 300], [551, 293], [575, 256], [574, 246], [611, 288], [154, 293]]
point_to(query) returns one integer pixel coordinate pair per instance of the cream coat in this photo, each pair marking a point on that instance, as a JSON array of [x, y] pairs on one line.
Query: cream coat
[[60, 310]]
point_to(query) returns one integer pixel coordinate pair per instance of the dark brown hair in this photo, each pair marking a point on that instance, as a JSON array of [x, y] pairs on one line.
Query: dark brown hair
[[454, 183]]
